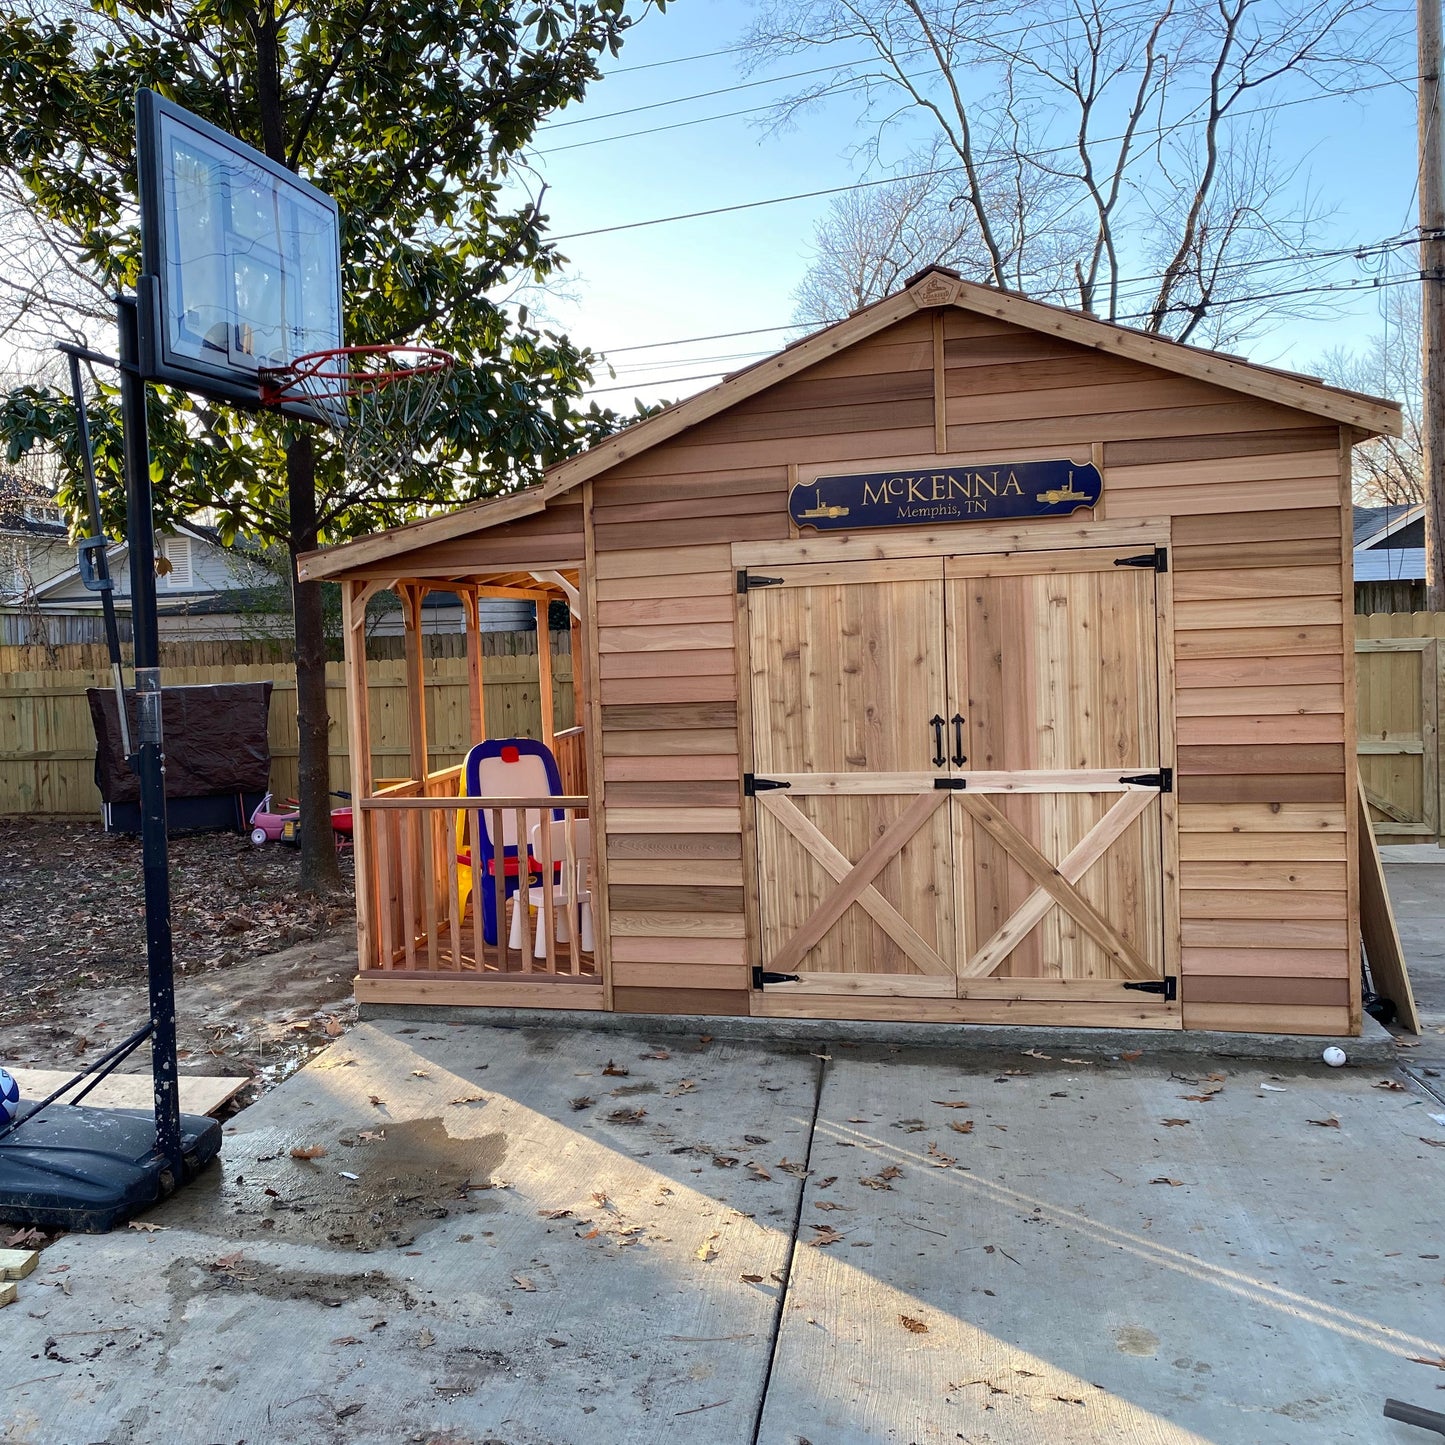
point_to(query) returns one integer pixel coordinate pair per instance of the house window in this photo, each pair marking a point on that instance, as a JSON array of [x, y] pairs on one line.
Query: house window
[[37, 513], [176, 551]]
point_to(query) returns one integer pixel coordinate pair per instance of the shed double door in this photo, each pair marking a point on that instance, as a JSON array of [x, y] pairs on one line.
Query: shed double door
[[957, 775]]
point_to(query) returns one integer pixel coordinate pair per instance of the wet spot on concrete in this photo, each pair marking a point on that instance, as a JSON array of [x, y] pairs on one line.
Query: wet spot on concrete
[[1135, 1340], [408, 1180]]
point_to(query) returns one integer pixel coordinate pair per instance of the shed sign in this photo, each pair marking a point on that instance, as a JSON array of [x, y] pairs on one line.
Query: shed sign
[[987, 493]]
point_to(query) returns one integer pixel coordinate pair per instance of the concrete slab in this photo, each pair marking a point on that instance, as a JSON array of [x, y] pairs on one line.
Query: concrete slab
[[1075, 1268], [509, 1263], [200, 1094]]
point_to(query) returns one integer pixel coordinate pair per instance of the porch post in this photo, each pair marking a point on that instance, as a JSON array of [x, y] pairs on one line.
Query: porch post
[[411, 598], [544, 671], [471, 608], [358, 737]]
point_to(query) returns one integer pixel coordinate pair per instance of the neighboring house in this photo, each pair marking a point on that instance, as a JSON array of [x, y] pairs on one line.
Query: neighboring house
[[1390, 558], [33, 545], [203, 591]]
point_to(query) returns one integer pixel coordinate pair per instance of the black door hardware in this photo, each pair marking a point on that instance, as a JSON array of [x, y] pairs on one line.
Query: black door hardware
[[936, 723]]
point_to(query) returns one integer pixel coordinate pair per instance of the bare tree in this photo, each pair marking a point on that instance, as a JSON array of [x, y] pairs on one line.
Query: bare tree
[[1388, 470], [1117, 156]]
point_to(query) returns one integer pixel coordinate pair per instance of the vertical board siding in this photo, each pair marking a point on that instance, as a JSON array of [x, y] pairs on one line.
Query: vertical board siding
[[47, 755]]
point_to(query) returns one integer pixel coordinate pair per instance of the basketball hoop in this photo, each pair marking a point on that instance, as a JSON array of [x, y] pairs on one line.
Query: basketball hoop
[[377, 398]]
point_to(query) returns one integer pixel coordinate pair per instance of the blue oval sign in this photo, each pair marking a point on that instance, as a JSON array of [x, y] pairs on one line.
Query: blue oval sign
[[922, 496]]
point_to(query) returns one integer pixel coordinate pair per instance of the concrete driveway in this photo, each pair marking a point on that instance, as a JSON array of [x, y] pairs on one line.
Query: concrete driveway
[[507, 1240]]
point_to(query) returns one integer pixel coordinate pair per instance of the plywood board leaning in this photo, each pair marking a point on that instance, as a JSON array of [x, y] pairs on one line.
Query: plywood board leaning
[[1383, 948]]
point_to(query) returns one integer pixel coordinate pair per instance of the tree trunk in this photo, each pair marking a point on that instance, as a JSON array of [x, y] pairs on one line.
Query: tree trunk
[[319, 871]]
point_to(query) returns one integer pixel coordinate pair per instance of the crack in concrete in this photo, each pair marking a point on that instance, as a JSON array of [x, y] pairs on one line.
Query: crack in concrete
[[776, 1330]]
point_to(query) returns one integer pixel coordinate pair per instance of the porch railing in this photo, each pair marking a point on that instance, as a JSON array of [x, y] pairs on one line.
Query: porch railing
[[427, 877], [569, 748]]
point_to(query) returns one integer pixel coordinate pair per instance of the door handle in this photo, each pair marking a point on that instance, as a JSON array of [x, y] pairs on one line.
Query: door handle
[[936, 723], [958, 758]]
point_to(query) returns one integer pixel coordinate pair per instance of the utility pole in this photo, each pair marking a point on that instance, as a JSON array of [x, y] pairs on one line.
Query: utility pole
[[1432, 297]]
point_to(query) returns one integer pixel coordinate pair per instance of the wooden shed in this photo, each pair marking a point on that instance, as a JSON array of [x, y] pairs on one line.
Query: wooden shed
[[970, 660]]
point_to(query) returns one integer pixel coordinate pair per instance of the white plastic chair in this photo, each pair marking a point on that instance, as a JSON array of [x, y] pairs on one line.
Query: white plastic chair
[[566, 894]]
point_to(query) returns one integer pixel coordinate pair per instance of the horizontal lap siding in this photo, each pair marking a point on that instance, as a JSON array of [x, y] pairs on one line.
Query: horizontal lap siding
[[1260, 618], [670, 774], [1263, 751]]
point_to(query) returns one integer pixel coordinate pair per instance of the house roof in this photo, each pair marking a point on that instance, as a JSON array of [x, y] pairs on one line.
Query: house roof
[[1374, 524], [932, 288]]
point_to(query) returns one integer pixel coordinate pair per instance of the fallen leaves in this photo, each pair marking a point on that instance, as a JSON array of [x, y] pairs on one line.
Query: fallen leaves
[[420, 1074], [521, 1281], [377, 1102], [940, 1160], [1438, 1364], [1165, 1179], [145, 1226], [1393, 1085], [1174, 1123], [823, 1236], [656, 1054], [881, 1179], [425, 1339], [707, 1251], [913, 1326], [751, 1278], [961, 1126], [616, 1071], [468, 1099], [308, 1151], [334, 1027], [953, 1103], [627, 1116], [583, 1101], [1333, 1122], [1129, 1055]]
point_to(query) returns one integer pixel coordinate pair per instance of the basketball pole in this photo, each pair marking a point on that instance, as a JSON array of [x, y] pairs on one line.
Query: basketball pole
[[149, 757]]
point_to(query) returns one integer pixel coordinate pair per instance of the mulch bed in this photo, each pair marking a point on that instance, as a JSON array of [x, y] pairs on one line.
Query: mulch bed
[[72, 910]]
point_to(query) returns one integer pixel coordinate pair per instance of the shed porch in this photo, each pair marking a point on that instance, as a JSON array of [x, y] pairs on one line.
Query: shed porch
[[451, 902]]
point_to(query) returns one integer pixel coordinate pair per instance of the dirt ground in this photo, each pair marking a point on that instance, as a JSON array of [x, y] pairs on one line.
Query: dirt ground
[[262, 972]]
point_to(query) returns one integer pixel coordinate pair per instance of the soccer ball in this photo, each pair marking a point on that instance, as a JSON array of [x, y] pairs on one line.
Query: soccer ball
[[9, 1098]]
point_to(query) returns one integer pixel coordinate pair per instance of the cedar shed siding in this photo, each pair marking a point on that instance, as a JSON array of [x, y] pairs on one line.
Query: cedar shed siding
[[1256, 496]]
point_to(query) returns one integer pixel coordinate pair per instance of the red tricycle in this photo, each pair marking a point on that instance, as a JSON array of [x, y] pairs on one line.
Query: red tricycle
[[270, 826]]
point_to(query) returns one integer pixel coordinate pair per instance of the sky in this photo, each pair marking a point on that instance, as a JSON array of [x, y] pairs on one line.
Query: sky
[[628, 154]]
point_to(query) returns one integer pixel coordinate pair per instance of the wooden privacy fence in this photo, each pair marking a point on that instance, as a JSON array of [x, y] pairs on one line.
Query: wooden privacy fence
[[47, 743], [1398, 706]]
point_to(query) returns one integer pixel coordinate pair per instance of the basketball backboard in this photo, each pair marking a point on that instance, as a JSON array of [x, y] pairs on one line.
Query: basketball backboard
[[241, 259]]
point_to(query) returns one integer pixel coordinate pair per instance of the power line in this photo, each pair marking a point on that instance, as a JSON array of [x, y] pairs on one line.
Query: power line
[[1116, 12], [1384, 246], [1360, 284], [939, 171]]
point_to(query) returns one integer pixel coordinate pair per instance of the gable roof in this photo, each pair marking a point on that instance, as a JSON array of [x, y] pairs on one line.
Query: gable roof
[[932, 288], [1374, 524]]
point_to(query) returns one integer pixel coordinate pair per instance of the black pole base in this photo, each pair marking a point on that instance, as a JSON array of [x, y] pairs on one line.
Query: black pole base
[[88, 1170]]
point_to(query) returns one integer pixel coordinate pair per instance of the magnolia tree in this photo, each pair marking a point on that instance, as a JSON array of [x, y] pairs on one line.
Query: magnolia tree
[[412, 115]]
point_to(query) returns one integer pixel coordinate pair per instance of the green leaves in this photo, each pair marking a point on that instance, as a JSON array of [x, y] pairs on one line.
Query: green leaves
[[409, 113]]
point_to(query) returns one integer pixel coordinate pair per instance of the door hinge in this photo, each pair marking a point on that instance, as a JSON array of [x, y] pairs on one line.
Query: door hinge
[[1158, 559], [762, 975], [1163, 780], [753, 785], [1168, 986], [941, 783], [746, 583]]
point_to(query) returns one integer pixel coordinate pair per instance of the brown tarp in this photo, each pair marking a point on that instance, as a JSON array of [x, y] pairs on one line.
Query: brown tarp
[[215, 741]]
